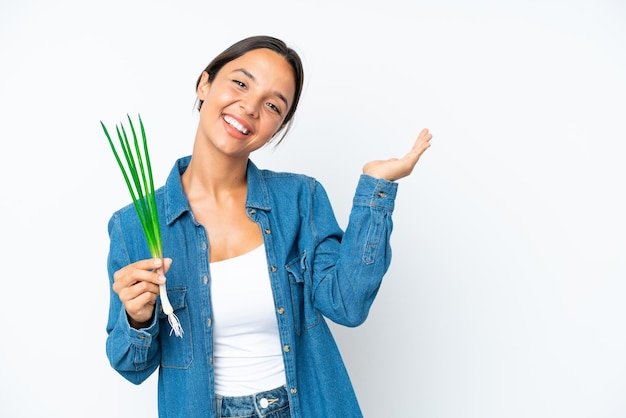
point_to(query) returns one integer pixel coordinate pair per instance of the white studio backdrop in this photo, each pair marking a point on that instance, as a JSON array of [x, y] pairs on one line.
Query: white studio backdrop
[[506, 293]]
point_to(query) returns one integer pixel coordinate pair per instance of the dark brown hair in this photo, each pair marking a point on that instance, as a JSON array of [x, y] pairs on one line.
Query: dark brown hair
[[257, 42]]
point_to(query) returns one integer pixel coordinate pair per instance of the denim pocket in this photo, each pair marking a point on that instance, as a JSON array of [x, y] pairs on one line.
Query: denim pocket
[[176, 352], [301, 287]]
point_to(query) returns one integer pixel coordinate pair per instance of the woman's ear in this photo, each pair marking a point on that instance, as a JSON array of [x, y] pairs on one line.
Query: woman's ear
[[203, 86]]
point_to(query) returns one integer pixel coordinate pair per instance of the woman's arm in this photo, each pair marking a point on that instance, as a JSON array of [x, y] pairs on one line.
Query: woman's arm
[[132, 352], [348, 269]]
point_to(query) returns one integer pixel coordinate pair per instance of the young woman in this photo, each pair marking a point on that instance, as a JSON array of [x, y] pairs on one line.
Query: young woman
[[256, 259]]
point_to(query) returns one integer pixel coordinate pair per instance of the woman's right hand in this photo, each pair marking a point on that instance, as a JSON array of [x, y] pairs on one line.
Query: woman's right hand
[[137, 286]]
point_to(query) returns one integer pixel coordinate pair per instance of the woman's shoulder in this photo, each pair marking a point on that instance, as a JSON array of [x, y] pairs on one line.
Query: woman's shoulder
[[130, 210], [124, 211], [286, 175], [289, 181]]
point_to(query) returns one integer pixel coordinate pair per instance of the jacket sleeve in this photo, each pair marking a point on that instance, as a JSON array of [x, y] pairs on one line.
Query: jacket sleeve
[[132, 353], [348, 268]]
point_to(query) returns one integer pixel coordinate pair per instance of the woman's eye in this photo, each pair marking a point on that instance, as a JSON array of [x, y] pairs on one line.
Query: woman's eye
[[274, 108], [240, 83]]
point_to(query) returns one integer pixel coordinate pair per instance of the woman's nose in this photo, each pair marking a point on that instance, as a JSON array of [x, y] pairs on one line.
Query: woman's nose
[[249, 107]]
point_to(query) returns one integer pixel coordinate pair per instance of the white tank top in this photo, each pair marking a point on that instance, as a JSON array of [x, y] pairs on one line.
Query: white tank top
[[247, 355]]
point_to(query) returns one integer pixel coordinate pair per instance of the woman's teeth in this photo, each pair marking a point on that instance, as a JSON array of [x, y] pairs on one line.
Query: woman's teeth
[[232, 122]]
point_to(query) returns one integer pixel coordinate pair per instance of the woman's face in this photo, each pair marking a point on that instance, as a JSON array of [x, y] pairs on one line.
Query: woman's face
[[246, 103]]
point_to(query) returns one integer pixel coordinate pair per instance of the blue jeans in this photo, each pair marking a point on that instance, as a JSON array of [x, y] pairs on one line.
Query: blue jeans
[[270, 404]]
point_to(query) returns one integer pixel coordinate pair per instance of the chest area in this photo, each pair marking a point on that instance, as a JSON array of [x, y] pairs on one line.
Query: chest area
[[230, 231]]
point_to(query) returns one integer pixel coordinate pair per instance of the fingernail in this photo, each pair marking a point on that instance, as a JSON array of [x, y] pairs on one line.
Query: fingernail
[[157, 262], [162, 279]]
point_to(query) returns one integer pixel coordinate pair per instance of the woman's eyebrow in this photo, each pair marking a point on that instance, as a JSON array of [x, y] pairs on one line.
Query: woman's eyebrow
[[250, 76]]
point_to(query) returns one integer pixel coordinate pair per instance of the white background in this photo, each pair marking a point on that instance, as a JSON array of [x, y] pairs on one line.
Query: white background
[[506, 293]]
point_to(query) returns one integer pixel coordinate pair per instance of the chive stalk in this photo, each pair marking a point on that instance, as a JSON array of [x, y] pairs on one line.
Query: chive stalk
[[138, 178]]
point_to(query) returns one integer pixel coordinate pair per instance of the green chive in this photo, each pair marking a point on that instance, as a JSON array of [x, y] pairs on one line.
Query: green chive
[[141, 190]]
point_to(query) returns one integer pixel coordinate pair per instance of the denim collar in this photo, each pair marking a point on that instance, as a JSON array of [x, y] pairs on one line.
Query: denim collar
[[176, 203]]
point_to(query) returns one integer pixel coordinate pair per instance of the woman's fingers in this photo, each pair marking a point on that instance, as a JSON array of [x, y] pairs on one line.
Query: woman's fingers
[[144, 270], [396, 168], [137, 286], [421, 144]]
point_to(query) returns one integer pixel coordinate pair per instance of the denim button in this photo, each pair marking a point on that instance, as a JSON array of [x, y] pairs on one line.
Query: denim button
[[264, 403]]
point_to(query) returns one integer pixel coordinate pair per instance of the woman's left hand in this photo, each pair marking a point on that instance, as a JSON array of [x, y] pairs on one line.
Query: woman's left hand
[[396, 168]]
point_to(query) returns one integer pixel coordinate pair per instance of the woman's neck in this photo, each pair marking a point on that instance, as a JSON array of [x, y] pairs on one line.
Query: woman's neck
[[214, 175]]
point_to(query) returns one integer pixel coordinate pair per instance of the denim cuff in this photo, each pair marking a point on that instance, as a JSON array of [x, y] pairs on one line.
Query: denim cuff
[[140, 337], [375, 192]]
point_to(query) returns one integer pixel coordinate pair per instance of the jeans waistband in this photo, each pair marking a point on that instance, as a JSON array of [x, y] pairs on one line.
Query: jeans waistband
[[259, 404]]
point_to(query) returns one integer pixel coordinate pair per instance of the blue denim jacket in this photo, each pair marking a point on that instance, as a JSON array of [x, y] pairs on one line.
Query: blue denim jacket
[[317, 271]]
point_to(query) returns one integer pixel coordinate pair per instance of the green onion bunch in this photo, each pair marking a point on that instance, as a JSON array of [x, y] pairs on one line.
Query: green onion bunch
[[138, 176]]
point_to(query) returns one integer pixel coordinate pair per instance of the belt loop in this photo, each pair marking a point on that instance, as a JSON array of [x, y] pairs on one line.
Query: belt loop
[[218, 406]]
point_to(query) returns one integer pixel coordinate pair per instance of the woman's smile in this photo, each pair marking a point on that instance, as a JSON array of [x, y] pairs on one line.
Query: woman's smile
[[236, 128]]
